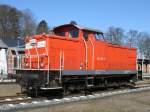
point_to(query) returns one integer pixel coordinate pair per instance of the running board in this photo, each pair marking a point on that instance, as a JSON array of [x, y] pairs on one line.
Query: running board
[[43, 88], [90, 85]]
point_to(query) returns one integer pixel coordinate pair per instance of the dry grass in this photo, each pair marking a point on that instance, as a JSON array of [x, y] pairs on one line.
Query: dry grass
[[9, 89], [145, 81]]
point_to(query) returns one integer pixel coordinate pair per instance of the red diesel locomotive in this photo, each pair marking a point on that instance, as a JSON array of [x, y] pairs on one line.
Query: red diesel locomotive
[[74, 57]]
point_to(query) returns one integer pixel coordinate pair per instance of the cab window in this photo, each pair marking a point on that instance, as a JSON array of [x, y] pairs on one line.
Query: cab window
[[60, 33], [98, 36], [85, 35], [73, 33]]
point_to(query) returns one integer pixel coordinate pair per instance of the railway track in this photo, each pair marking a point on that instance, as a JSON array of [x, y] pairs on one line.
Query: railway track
[[17, 103], [13, 96], [8, 81], [14, 100], [17, 100]]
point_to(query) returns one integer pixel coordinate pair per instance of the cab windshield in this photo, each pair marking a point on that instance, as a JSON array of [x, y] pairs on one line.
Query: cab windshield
[[60, 34]]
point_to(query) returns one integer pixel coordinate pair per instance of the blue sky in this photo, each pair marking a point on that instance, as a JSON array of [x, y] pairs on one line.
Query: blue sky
[[100, 14]]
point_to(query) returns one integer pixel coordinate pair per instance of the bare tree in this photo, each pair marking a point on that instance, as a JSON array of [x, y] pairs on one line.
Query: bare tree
[[15, 23], [115, 35], [144, 44], [131, 38], [147, 48], [28, 23], [9, 22]]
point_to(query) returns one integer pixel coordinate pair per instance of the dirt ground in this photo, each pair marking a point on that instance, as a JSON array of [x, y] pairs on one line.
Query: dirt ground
[[9, 89], [133, 102]]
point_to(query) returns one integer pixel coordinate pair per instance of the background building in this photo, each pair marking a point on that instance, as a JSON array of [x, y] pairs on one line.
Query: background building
[[8, 47]]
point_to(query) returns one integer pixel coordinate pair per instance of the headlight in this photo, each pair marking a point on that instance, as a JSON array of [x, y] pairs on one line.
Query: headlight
[[42, 64]]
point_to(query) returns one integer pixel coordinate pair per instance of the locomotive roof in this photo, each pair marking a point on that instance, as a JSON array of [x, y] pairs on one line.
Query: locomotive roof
[[79, 27]]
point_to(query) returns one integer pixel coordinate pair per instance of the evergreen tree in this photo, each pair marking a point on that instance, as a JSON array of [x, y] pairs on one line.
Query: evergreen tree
[[42, 27]]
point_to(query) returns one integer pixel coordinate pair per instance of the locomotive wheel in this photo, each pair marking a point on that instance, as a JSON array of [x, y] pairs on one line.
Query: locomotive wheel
[[87, 90], [65, 91]]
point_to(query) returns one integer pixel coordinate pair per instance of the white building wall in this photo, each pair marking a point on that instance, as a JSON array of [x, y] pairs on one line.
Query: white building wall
[[3, 64]]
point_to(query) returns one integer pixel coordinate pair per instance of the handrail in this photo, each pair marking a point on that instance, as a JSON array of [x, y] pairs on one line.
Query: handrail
[[60, 71], [61, 65], [30, 57], [93, 53], [86, 53], [48, 65], [38, 57]]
